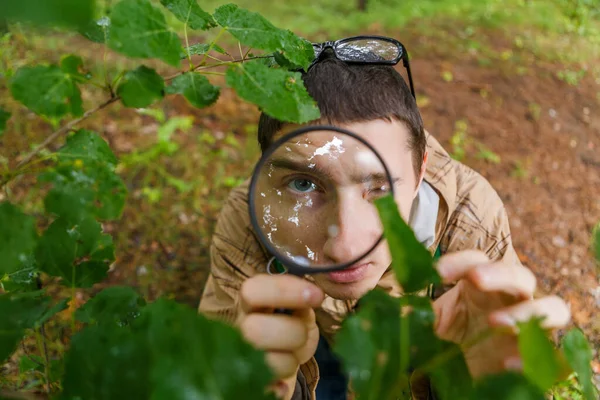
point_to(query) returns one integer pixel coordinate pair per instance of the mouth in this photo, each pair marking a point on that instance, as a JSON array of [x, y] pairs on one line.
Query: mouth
[[351, 274]]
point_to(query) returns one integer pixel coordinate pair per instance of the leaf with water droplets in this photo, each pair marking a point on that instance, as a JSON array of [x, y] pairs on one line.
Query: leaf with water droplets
[[190, 13], [118, 305], [18, 238]]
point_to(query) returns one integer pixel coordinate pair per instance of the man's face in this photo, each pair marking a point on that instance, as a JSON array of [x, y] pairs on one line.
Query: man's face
[[316, 200]]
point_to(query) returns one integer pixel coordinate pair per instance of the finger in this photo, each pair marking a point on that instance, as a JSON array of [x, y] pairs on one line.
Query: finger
[[274, 332], [455, 266], [279, 291], [552, 309], [283, 365], [512, 279]]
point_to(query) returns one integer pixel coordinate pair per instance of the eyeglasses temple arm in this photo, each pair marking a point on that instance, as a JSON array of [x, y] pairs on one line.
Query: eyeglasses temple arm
[[410, 79]]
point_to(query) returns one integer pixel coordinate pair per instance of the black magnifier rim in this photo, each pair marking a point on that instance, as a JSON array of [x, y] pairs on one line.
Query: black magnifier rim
[[292, 266]]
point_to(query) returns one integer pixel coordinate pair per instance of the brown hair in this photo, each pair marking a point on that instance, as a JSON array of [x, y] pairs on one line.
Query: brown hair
[[347, 93]]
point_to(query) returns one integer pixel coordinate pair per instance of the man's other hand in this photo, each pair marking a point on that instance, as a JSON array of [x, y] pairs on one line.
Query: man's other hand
[[491, 295]]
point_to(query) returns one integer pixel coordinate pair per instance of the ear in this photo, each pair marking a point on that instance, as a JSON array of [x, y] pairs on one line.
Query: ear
[[421, 173]]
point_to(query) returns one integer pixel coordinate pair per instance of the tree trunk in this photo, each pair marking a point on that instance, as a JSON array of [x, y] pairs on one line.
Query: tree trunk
[[362, 5]]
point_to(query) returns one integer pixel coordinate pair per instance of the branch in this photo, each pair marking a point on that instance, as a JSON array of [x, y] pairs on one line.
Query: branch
[[65, 128], [200, 66]]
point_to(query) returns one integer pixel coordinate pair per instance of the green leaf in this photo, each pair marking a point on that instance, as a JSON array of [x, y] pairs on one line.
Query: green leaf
[[54, 93], [114, 305], [170, 351], [67, 13], [540, 362], [376, 347], [506, 386], [71, 65], [596, 242], [4, 117], [279, 93], [196, 88], [578, 352], [19, 311], [190, 13], [84, 181], [201, 49], [253, 30], [141, 87], [18, 238], [106, 362], [63, 243], [97, 31], [24, 279], [139, 29], [412, 263]]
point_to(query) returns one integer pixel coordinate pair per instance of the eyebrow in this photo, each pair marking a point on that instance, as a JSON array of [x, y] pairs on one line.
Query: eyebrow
[[294, 165]]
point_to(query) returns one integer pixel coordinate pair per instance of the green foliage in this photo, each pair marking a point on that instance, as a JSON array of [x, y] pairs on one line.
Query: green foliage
[[47, 90], [19, 312], [114, 305], [97, 31], [253, 30], [200, 49], [540, 363], [412, 263], [196, 88], [596, 242], [66, 13], [141, 87], [18, 238], [506, 386], [4, 117], [168, 351], [138, 29], [190, 13], [579, 355], [84, 181], [279, 93]]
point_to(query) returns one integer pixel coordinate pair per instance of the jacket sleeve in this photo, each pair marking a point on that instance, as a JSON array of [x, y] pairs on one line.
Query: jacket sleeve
[[235, 255], [480, 220]]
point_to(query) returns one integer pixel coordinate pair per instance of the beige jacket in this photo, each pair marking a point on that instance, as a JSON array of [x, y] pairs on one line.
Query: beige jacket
[[471, 216]]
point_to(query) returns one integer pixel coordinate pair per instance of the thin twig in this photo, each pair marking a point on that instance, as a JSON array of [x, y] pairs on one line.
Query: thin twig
[[201, 67], [65, 128]]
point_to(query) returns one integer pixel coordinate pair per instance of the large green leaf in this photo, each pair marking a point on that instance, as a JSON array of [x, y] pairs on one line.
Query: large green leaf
[[107, 362], [378, 349], [19, 311], [255, 31], [17, 238], [540, 362], [170, 351], [578, 352], [506, 386], [196, 88], [47, 90], [114, 305], [84, 181], [63, 246], [200, 49], [279, 93], [141, 87], [4, 117], [412, 263], [190, 13], [139, 29], [68, 13]]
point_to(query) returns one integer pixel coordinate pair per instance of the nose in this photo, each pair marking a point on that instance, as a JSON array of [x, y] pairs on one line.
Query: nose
[[353, 227]]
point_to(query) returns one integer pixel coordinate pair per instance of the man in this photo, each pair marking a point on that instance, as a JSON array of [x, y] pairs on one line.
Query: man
[[453, 211]]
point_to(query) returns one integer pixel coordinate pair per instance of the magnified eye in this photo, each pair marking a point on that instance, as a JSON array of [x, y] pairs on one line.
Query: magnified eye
[[302, 185]]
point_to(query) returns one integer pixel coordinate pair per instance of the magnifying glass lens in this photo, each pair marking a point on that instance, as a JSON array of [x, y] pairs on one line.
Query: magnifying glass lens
[[313, 199]]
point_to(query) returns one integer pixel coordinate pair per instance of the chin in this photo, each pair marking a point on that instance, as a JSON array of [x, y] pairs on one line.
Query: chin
[[346, 291]]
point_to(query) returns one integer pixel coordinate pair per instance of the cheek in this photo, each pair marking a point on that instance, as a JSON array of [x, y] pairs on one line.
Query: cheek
[[404, 200]]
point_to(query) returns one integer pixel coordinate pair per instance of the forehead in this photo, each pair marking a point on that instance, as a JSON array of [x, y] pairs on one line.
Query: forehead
[[388, 138]]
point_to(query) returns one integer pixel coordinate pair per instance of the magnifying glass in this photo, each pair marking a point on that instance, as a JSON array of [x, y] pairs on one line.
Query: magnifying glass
[[311, 200]]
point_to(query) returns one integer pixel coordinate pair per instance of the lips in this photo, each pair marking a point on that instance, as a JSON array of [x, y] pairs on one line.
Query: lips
[[350, 274]]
